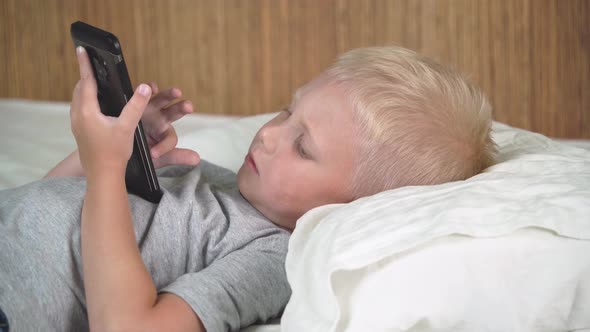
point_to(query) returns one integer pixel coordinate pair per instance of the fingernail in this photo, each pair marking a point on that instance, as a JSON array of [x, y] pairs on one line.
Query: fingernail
[[79, 49], [143, 90]]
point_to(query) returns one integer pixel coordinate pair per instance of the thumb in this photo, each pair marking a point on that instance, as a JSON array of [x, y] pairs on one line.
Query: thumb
[[134, 109]]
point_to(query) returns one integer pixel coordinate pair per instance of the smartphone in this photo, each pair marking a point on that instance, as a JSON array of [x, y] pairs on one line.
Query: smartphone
[[114, 90]]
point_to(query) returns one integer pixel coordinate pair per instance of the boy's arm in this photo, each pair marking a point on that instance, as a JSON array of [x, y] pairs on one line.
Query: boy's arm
[[120, 294], [70, 166]]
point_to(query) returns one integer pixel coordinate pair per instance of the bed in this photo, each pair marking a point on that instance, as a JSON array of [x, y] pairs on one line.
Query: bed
[[507, 248]]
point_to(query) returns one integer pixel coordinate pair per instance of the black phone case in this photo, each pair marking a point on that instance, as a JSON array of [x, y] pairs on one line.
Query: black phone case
[[114, 90]]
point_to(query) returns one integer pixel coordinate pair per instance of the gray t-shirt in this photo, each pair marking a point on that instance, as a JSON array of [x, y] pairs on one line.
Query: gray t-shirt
[[203, 242]]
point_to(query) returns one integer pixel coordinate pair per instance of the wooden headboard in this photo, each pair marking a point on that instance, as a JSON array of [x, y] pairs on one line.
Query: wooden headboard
[[531, 57]]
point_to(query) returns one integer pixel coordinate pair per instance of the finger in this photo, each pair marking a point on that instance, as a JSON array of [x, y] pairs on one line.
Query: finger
[[165, 97], [177, 111], [84, 63], [86, 87], [167, 143], [167, 116], [134, 109], [154, 87], [178, 157]]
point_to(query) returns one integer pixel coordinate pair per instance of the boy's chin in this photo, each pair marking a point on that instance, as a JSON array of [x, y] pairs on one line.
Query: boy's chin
[[241, 173], [244, 185]]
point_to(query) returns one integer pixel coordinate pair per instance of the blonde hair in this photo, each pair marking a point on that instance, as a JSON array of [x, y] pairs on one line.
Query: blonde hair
[[420, 122]]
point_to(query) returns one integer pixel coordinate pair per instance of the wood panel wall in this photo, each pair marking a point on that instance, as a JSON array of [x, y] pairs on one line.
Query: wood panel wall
[[531, 57]]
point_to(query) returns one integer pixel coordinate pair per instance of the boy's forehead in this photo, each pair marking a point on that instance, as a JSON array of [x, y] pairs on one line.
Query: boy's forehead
[[326, 111], [319, 81]]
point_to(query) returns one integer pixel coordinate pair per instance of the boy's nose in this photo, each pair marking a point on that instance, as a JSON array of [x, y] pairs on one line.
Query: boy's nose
[[269, 137]]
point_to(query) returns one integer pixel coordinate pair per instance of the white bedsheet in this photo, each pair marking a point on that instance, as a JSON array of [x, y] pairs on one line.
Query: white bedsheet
[[34, 136]]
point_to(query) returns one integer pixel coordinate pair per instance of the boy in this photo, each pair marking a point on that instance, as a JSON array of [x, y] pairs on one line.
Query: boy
[[210, 255]]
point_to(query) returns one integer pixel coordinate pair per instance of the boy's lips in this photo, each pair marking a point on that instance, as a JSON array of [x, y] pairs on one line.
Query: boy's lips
[[250, 162]]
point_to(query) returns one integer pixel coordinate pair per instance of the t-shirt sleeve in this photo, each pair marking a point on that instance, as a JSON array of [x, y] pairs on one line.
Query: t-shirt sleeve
[[245, 286]]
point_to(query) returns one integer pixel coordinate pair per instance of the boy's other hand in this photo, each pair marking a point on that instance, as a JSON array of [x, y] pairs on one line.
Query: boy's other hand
[[105, 143], [163, 109]]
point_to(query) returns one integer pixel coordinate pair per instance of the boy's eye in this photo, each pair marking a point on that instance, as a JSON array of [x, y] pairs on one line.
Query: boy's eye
[[300, 148]]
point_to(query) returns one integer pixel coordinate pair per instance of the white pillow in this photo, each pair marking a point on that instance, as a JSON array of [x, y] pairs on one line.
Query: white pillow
[[507, 250]]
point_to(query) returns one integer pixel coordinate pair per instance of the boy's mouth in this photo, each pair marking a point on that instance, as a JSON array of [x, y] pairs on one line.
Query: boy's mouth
[[250, 161]]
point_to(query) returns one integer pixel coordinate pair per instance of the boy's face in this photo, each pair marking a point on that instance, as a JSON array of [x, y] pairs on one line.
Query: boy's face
[[302, 158]]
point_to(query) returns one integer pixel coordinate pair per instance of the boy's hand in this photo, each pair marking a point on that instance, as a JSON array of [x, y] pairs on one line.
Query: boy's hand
[[105, 143], [157, 121]]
